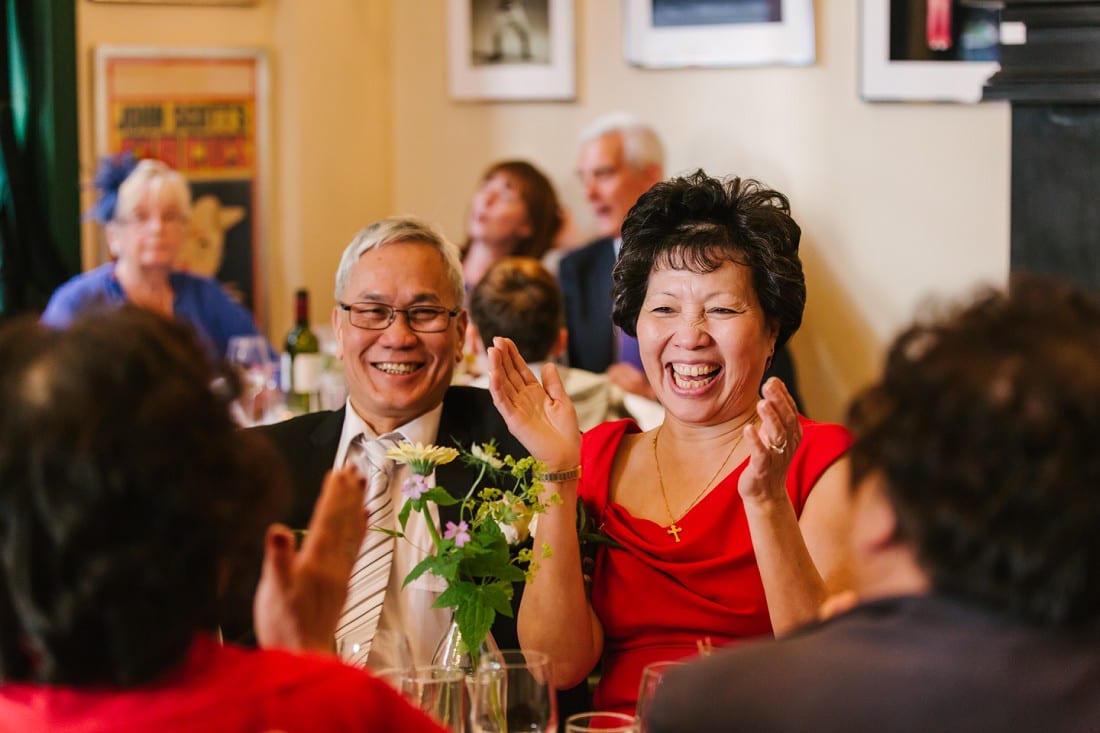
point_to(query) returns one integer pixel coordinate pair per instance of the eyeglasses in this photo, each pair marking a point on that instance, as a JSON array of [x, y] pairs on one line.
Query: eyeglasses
[[379, 316], [143, 219]]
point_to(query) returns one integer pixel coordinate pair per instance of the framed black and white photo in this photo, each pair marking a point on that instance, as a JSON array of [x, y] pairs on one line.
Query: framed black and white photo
[[698, 33], [511, 49], [927, 50]]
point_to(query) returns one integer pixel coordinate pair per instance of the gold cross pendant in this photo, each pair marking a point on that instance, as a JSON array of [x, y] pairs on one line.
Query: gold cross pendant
[[674, 531]]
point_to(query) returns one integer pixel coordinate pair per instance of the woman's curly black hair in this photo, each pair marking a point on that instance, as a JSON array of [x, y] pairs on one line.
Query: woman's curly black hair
[[129, 501], [697, 223], [985, 427]]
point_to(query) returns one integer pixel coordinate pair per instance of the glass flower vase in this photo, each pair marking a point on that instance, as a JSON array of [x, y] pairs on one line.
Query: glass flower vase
[[452, 652]]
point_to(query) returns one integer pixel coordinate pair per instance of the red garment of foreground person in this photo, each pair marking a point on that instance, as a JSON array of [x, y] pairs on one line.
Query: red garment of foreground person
[[222, 689]]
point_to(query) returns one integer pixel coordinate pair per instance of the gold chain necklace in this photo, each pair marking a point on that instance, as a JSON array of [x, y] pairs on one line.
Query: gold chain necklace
[[673, 529]]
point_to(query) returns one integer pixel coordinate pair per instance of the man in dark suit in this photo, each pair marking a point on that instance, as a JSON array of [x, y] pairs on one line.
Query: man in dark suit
[[620, 159], [974, 549], [399, 326]]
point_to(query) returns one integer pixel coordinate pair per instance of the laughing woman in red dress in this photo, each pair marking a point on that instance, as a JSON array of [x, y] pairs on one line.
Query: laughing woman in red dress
[[729, 517]]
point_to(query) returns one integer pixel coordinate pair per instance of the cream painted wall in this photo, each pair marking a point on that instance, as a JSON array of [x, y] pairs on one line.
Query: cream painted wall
[[330, 79], [897, 201]]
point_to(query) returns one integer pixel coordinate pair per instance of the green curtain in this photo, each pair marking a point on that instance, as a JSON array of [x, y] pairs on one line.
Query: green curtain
[[39, 165]]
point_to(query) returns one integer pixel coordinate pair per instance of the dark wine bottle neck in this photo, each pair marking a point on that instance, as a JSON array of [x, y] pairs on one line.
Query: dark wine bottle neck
[[301, 308]]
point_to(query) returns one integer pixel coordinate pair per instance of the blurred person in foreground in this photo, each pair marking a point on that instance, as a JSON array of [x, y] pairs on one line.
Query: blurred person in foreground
[[976, 557], [129, 502], [519, 299], [728, 517], [145, 218]]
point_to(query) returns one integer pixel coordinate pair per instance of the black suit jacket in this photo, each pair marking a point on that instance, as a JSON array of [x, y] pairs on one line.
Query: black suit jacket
[[585, 278]]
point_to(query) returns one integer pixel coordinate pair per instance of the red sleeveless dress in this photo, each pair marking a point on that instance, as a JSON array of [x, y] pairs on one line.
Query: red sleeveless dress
[[656, 598]]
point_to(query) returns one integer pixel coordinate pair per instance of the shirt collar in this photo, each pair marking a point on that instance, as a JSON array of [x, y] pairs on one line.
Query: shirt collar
[[422, 429]]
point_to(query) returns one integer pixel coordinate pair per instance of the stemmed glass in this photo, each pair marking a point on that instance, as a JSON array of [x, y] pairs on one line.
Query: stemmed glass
[[438, 691], [255, 367], [602, 722], [652, 677], [388, 650], [512, 692]]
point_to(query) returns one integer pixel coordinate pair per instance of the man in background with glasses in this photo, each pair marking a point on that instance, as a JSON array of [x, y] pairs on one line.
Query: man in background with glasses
[[399, 326]]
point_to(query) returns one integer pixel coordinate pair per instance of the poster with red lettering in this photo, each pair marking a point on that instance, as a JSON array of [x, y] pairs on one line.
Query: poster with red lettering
[[203, 112]]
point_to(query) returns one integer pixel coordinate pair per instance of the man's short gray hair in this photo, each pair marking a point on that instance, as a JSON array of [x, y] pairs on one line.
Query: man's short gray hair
[[394, 230], [641, 144]]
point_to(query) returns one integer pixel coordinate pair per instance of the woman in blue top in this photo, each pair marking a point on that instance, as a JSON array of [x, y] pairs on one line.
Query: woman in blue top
[[145, 231]]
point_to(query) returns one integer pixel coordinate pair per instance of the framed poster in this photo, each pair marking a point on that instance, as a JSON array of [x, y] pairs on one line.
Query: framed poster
[[681, 33], [202, 111], [178, 2], [511, 50], [927, 50]]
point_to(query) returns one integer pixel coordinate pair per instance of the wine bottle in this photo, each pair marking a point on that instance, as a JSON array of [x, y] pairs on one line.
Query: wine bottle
[[301, 363]]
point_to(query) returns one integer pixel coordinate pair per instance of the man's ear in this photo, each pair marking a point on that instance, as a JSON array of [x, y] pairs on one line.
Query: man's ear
[[338, 332], [653, 173], [874, 520], [560, 344], [462, 321]]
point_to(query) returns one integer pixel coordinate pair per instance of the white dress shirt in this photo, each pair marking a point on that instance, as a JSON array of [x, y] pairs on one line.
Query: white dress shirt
[[407, 609]]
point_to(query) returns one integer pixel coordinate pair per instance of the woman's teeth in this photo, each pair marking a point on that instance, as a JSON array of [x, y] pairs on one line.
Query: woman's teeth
[[692, 376]]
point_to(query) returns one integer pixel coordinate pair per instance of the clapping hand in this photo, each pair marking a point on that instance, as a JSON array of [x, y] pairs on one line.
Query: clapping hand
[[772, 439], [541, 416], [302, 591]]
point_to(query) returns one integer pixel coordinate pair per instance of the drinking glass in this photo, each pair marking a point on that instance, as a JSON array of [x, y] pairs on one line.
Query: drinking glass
[[255, 367], [387, 649], [602, 722], [652, 676], [512, 692], [440, 692]]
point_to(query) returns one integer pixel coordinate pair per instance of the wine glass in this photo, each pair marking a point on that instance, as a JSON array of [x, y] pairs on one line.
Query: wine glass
[[438, 691], [386, 649], [251, 359], [512, 692], [603, 722], [652, 676]]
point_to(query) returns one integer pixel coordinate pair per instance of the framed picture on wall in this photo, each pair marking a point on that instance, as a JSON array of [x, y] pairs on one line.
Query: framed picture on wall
[[927, 50], [699, 33], [178, 2], [202, 111], [511, 49]]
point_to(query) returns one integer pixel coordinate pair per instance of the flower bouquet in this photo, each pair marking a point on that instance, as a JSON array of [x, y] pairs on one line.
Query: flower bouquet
[[479, 557]]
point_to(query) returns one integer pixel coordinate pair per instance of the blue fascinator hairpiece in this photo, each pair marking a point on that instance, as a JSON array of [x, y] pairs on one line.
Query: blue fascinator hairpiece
[[109, 175]]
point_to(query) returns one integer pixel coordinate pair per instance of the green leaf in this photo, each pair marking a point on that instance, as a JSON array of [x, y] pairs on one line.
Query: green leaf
[[421, 567], [474, 618], [390, 532], [439, 495], [403, 515], [456, 595]]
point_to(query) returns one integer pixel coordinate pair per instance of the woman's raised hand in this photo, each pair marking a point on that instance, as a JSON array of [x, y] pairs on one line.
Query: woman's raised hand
[[541, 416], [772, 441]]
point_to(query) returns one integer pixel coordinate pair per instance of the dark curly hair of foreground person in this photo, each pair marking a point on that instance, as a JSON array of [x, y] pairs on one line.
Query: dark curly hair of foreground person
[[128, 498], [986, 426]]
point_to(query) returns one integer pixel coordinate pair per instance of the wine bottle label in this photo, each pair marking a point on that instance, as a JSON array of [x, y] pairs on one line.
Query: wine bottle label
[[307, 373]]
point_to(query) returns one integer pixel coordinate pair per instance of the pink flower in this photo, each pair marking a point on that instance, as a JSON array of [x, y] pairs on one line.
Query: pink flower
[[415, 486], [460, 533]]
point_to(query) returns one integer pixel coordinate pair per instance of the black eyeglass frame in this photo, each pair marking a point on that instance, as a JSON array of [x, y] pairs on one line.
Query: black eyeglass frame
[[403, 311]]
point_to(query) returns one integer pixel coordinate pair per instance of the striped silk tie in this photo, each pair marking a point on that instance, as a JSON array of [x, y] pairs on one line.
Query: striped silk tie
[[371, 573]]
